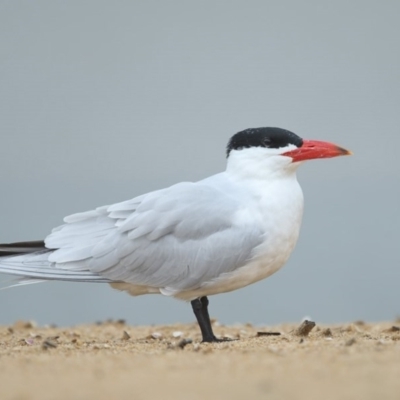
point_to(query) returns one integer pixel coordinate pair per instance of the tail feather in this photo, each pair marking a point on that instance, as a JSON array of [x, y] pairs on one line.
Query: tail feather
[[30, 262], [9, 249]]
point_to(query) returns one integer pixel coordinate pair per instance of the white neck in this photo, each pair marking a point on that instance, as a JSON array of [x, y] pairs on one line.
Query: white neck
[[258, 163]]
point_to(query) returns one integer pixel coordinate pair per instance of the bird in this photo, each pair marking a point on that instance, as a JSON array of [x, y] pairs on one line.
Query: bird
[[191, 240]]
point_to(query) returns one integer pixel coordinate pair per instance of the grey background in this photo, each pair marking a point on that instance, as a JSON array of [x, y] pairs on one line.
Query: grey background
[[101, 101]]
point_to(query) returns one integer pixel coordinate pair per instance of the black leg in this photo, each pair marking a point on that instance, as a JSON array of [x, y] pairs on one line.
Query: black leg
[[200, 309], [201, 312]]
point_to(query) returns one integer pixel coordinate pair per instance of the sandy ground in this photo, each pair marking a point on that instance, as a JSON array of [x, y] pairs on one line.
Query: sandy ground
[[115, 361]]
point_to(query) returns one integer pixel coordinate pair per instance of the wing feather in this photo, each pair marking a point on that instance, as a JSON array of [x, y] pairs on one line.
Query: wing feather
[[173, 239]]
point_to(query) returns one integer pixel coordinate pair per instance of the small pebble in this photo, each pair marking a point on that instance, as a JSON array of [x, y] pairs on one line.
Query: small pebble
[[268, 333], [126, 336], [304, 329], [156, 335], [49, 344], [392, 329], [184, 342]]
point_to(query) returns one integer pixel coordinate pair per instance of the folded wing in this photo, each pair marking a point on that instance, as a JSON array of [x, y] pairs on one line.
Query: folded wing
[[177, 238]]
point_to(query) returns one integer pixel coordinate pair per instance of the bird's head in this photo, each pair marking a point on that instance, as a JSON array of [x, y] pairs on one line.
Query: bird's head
[[276, 149]]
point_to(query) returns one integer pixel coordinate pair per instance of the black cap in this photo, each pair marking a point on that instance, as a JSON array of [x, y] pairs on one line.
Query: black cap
[[272, 138]]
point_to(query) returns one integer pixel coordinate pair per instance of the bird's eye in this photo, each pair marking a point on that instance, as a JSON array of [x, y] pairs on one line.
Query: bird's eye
[[266, 142]]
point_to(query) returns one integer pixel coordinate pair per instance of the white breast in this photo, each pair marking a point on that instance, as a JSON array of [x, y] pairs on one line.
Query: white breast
[[278, 208]]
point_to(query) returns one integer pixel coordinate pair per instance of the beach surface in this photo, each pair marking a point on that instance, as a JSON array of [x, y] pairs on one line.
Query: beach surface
[[112, 360]]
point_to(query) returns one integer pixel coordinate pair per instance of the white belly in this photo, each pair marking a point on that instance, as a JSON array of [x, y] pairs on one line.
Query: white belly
[[282, 223]]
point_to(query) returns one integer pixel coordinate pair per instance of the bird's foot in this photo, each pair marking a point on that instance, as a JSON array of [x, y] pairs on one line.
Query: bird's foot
[[200, 309], [214, 339]]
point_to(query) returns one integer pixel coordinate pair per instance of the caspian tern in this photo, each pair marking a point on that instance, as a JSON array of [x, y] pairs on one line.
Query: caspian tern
[[190, 240]]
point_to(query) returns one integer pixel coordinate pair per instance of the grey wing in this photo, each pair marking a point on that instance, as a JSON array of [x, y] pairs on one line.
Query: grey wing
[[176, 238]]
